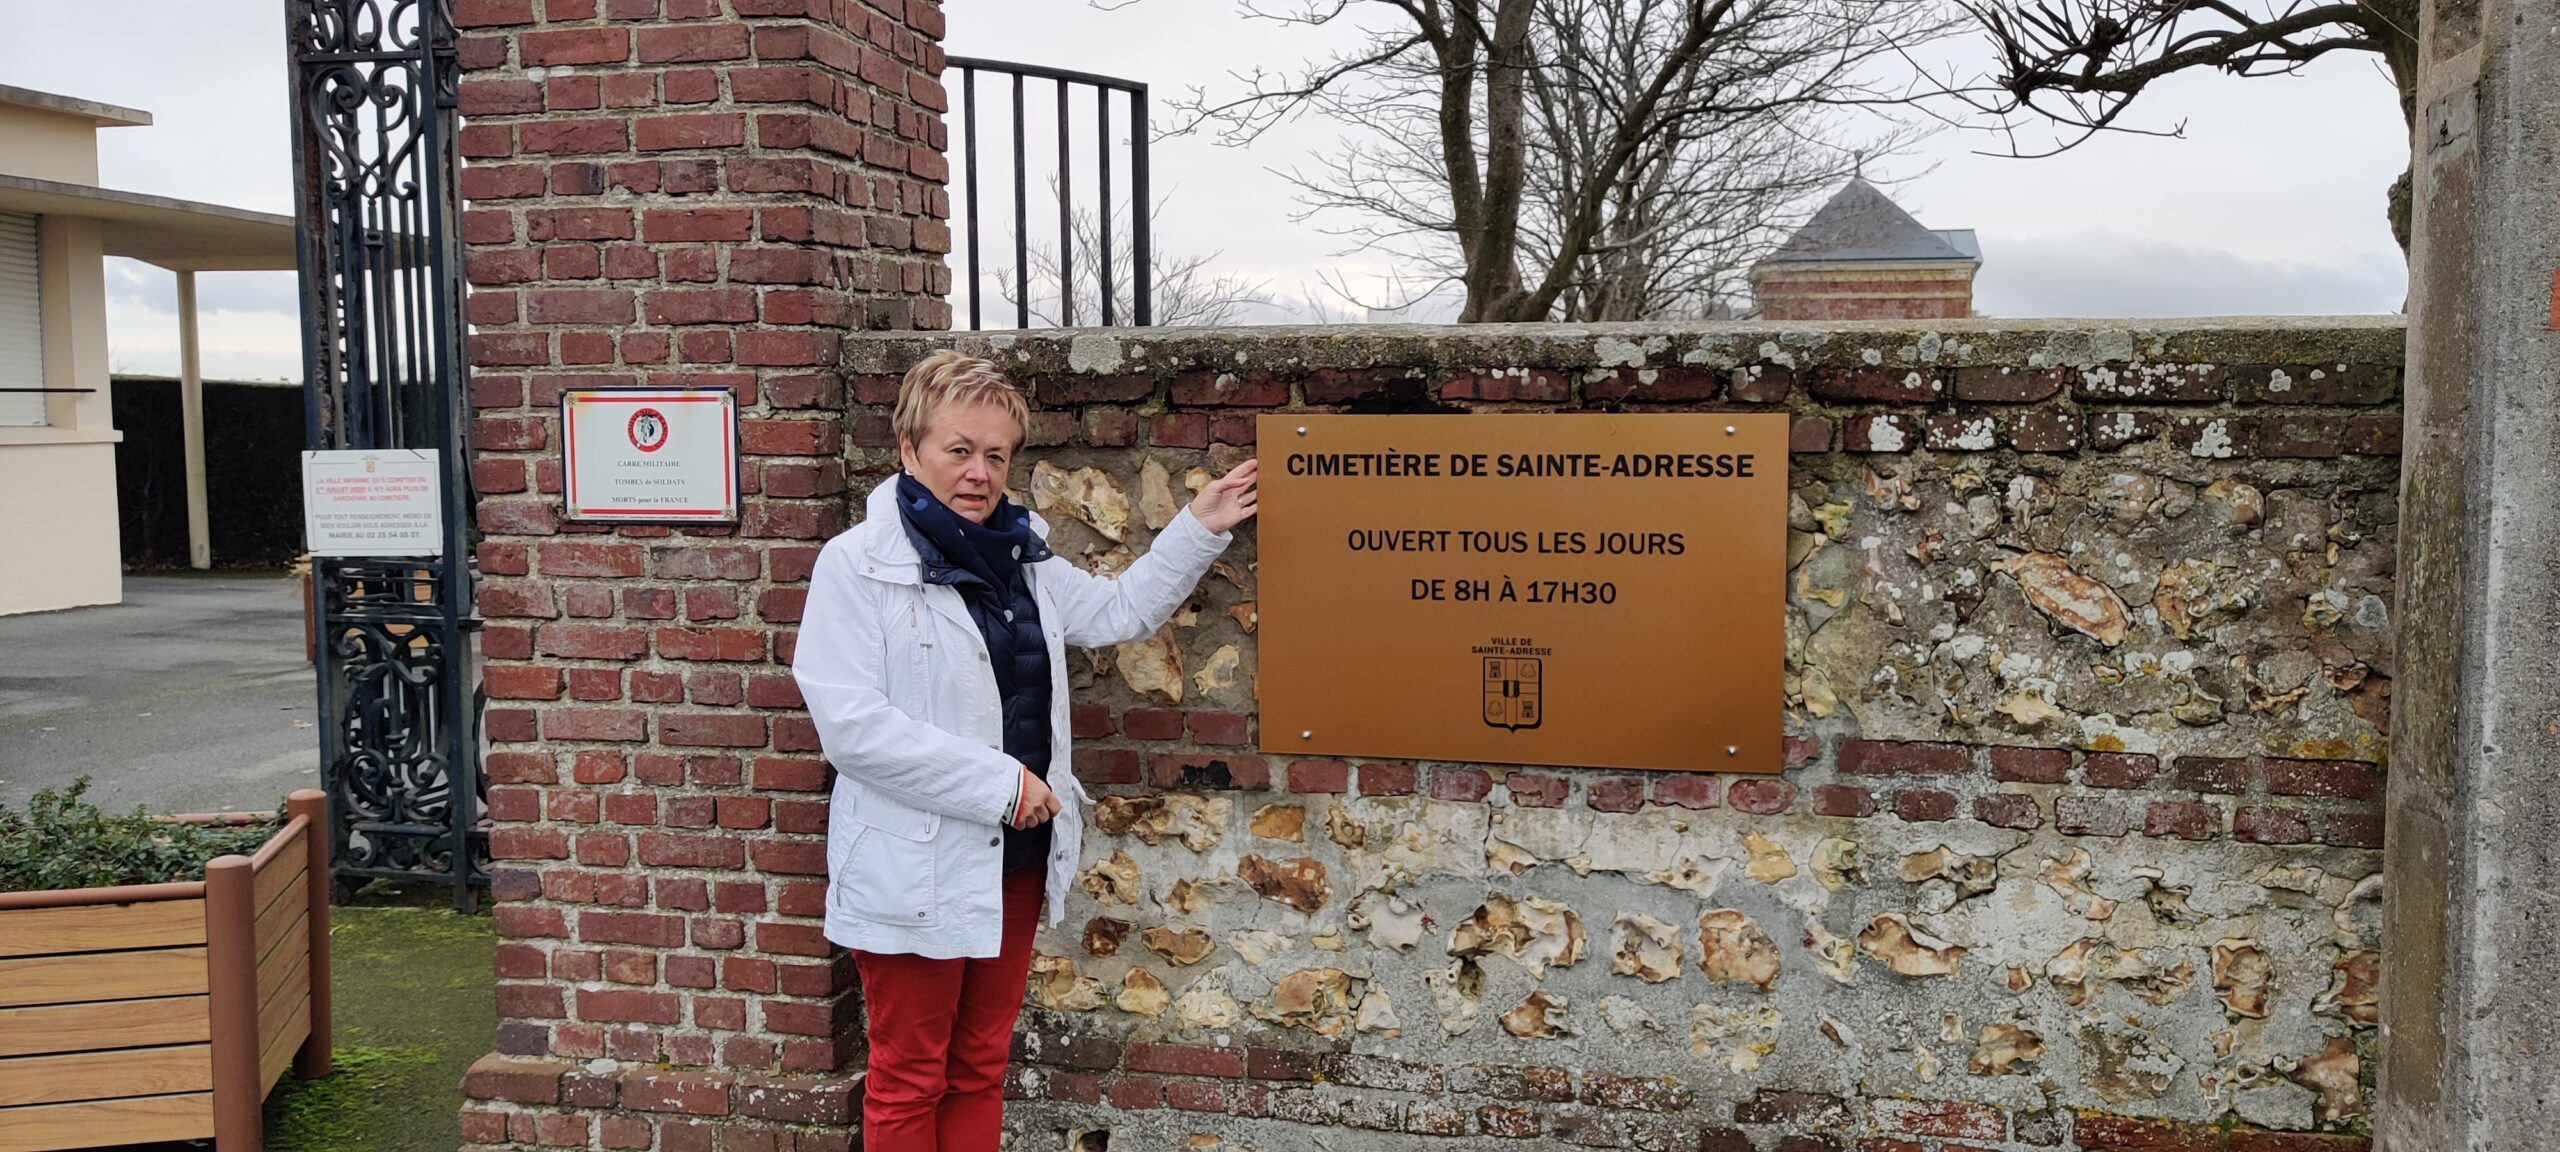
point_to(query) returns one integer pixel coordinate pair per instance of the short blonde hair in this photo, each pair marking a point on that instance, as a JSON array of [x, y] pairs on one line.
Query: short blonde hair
[[946, 378]]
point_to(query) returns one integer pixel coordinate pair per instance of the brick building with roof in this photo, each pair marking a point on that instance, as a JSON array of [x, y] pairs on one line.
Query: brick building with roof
[[1862, 257]]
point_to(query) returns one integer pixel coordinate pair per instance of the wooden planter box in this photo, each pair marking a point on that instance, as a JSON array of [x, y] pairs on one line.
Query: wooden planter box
[[166, 1011]]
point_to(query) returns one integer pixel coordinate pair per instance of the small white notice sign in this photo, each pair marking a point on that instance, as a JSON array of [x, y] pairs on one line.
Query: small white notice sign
[[372, 502], [650, 455]]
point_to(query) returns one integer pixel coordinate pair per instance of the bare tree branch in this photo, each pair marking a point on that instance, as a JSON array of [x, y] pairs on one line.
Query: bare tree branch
[[2074, 68], [1589, 159]]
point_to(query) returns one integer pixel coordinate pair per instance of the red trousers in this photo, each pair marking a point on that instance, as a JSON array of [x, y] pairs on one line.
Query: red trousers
[[941, 1031]]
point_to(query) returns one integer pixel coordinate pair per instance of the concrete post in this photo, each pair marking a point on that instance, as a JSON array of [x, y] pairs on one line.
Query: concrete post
[[2471, 948], [191, 408]]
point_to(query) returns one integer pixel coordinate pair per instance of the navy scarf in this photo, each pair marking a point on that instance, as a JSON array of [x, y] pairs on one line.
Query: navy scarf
[[986, 564], [994, 552]]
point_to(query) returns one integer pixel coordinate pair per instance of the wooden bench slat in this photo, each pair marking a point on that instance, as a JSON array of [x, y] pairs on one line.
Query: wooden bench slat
[[288, 978], [276, 1053], [45, 1127], [86, 976], [106, 1075], [117, 1024], [286, 964], [292, 933], [282, 877], [101, 927]]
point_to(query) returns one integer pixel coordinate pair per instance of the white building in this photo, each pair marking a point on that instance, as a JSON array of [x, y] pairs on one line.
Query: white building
[[58, 539]]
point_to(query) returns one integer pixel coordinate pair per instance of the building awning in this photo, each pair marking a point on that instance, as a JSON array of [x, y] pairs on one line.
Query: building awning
[[97, 113], [181, 235]]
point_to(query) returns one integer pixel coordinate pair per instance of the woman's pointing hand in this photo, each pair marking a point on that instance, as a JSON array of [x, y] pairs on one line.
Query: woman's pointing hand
[[1228, 500]]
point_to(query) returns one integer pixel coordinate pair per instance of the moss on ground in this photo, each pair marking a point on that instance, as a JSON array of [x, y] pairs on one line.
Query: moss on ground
[[370, 1100], [415, 1004]]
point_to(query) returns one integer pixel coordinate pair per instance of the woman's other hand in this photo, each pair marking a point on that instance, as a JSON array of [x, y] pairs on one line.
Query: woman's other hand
[[1229, 500], [1037, 805]]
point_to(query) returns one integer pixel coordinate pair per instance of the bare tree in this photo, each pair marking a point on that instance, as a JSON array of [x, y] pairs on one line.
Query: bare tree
[[1185, 289], [1578, 158], [1696, 203], [2078, 65]]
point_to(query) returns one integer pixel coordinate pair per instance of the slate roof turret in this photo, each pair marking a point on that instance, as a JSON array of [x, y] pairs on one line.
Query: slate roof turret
[[1860, 223]]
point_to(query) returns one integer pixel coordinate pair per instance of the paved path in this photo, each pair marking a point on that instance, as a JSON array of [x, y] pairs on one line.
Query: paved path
[[190, 696]]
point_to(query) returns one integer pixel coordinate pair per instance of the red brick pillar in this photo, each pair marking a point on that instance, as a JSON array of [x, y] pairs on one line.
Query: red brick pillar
[[689, 193]]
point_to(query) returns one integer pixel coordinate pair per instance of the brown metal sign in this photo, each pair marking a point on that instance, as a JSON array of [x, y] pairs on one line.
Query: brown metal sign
[[1570, 589]]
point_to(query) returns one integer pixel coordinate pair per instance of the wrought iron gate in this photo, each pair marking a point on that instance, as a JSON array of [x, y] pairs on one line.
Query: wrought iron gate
[[1092, 251], [374, 168]]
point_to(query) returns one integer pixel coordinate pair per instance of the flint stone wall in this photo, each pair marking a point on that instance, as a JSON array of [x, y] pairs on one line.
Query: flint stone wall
[[2089, 656]]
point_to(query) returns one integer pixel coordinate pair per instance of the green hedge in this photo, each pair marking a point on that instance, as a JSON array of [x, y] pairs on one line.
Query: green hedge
[[252, 464], [62, 841]]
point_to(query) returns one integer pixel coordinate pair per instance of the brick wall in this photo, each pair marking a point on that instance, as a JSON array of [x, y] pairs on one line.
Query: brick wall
[[2088, 671], [1834, 292], [697, 193]]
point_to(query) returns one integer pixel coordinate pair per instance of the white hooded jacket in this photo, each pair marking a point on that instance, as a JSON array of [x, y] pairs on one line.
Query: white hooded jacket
[[897, 680]]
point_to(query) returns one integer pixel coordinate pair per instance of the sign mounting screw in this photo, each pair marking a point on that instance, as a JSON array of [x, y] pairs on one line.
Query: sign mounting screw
[[1733, 750], [1307, 734], [1728, 429], [1302, 429]]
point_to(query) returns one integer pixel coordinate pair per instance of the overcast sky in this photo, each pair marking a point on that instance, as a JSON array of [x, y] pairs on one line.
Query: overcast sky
[[2272, 202]]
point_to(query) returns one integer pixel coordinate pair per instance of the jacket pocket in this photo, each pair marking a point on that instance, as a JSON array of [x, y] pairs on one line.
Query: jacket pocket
[[889, 873], [907, 658], [1067, 837]]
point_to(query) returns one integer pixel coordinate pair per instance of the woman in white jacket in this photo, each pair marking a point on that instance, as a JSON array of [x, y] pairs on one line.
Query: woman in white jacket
[[932, 654]]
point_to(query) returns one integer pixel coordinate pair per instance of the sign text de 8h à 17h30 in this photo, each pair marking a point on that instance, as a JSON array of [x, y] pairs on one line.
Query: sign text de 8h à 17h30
[[1599, 590]]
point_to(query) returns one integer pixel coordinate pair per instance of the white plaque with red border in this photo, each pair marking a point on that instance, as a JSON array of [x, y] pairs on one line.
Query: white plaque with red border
[[650, 455]]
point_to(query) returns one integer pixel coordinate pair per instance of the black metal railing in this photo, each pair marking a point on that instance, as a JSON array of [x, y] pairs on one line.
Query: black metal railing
[[374, 122], [1102, 244]]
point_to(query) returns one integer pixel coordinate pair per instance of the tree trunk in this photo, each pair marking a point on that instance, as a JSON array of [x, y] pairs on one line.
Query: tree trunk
[[1493, 261], [2394, 26], [1460, 49]]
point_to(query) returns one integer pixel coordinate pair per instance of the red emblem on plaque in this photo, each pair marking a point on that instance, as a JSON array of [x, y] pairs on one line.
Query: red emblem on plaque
[[648, 430]]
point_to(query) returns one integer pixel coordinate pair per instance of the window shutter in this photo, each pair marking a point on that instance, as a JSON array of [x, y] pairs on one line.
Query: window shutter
[[21, 328]]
